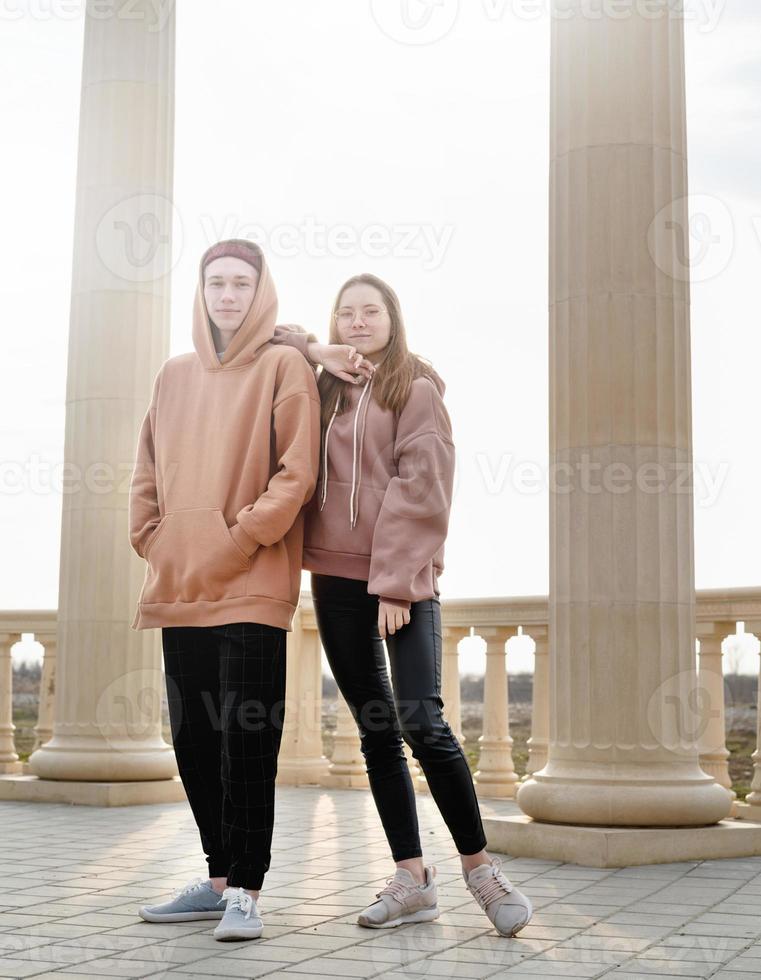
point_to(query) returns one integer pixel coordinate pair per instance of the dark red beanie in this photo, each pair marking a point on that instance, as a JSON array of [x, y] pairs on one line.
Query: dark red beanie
[[240, 248]]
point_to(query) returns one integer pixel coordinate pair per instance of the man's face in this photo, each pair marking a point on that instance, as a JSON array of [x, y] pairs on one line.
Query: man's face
[[229, 290]]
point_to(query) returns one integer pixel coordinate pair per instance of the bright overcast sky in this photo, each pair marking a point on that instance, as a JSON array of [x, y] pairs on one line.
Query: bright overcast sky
[[314, 124]]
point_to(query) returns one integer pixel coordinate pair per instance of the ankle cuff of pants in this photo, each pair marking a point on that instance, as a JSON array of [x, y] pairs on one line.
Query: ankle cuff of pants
[[218, 867], [472, 845], [249, 878], [407, 855]]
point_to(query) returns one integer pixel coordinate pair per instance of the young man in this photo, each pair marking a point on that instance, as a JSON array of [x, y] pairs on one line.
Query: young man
[[227, 456]]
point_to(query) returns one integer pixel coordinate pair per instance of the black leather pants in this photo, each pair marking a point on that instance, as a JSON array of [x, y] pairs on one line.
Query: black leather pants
[[347, 618]]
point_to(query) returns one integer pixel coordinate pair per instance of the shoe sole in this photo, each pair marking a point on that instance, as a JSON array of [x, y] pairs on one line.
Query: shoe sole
[[177, 916], [523, 924], [237, 934], [422, 915]]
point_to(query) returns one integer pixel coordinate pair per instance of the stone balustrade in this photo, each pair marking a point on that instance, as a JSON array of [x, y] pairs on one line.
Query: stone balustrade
[[494, 620]]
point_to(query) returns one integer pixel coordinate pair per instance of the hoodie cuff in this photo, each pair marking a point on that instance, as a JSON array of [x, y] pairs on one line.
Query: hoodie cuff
[[405, 603], [246, 544]]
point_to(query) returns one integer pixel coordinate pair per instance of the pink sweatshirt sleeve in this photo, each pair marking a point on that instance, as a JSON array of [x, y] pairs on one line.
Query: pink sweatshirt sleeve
[[143, 505], [414, 517], [294, 336]]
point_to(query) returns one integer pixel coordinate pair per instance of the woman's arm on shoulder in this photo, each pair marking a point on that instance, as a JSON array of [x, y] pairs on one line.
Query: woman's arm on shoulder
[[342, 360]]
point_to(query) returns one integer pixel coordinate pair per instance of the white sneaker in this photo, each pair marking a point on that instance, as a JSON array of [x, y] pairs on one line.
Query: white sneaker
[[508, 909], [241, 919], [402, 900]]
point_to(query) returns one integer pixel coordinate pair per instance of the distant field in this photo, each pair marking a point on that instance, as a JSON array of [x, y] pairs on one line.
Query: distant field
[[740, 719]]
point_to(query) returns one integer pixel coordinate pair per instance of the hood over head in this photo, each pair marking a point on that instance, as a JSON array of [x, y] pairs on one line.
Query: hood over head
[[258, 325]]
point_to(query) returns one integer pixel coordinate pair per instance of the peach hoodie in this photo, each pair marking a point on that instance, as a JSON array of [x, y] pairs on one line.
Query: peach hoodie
[[227, 456], [381, 510]]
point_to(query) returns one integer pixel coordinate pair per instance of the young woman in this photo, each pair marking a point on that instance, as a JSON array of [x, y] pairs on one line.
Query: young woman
[[374, 543]]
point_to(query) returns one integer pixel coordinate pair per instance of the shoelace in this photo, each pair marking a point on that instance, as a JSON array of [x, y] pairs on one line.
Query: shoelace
[[240, 899], [398, 890], [495, 886], [186, 889]]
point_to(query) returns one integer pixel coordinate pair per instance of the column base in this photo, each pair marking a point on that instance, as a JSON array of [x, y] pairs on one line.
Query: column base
[[347, 777], [620, 847], [624, 796], [303, 772], [31, 789], [747, 811], [495, 787], [92, 758]]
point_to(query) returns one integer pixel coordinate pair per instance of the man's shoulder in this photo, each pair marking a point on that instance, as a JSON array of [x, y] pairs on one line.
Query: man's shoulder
[[179, 361]]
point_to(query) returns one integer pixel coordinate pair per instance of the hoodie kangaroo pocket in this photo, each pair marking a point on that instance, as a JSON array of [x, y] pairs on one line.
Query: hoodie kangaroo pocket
[[192, 557]]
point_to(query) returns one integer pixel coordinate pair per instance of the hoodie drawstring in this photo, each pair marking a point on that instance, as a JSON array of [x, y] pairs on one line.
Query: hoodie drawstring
[[354, 499], [356, 455], [325, 459]]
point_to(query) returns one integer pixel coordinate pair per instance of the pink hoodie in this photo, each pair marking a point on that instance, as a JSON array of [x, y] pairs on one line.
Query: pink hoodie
[[381, 509]]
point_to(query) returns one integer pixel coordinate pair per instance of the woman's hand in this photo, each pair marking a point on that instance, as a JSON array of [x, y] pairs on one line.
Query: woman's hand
[[342, 360], [391, 618]]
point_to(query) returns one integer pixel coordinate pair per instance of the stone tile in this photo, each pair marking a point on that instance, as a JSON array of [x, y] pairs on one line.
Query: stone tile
[[82, 890]]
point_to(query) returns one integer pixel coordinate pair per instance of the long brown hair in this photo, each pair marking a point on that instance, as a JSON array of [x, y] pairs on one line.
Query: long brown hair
[[394, 376]]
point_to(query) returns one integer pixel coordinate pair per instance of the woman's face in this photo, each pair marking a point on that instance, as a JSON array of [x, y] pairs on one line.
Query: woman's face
[[363, 320]]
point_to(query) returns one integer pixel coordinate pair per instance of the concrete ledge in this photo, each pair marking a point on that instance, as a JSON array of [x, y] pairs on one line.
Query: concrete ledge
[[619, 847], [32, 789], [747, 811]]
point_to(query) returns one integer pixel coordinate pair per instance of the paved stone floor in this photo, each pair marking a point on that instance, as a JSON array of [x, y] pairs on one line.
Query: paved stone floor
[[72, 878]]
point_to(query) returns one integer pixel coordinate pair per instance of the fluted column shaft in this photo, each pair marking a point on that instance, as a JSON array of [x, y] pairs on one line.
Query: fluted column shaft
[[622, 603], [107, 707]]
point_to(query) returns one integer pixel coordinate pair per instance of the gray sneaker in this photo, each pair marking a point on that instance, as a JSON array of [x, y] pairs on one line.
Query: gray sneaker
[[508, 909], [198, 900], [241, 919], [402, 900]]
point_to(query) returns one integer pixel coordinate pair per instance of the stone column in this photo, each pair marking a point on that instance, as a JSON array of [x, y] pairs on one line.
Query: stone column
[[540, 706], [623, 746], [450, 678], [347, 764], [301, 760], [496, 774], [712, 741], [107, 723], [9, 760], [43, 730]]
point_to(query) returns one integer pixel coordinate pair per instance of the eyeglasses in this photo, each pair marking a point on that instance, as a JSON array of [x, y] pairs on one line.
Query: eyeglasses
[[369, 314]]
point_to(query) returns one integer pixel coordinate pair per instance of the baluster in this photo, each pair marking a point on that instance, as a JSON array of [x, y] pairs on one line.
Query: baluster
[[712, 746], [301, 760], [754, 796], [496, 773], [540, 704], [9, 760], [45, 713], [347, 765]]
